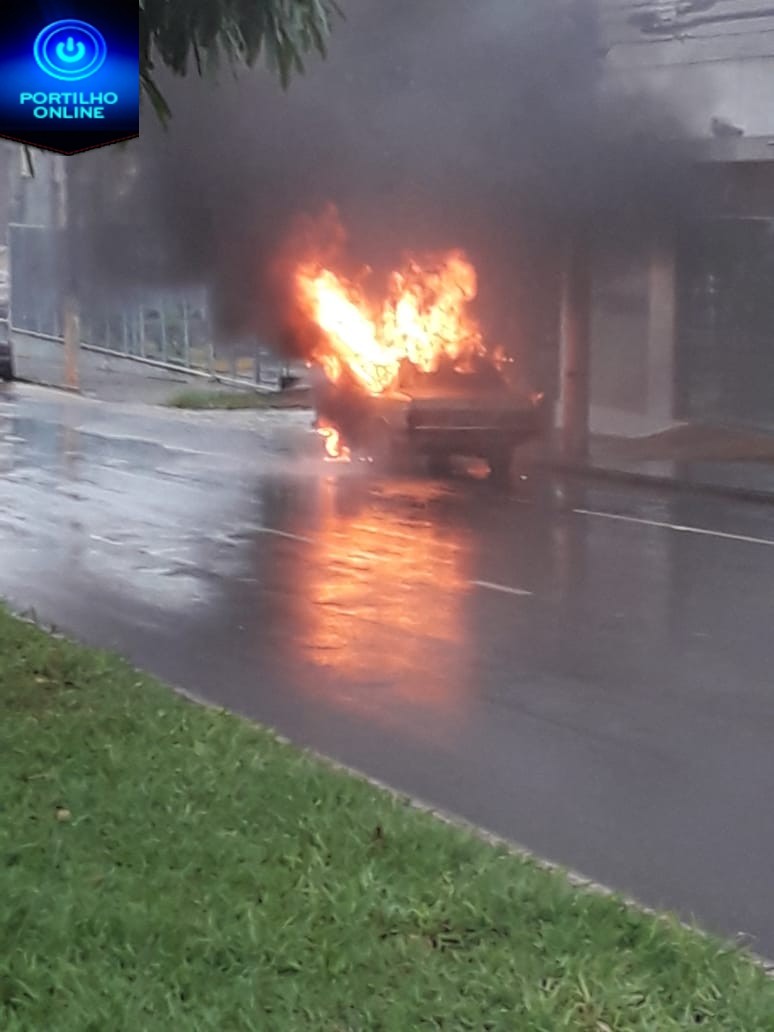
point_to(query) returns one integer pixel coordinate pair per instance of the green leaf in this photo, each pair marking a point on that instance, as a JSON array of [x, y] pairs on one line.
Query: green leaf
[[177, 33], [155, 96]]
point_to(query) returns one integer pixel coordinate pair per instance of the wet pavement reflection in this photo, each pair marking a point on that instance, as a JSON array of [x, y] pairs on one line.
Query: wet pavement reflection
[[598, 689], [382, 608]]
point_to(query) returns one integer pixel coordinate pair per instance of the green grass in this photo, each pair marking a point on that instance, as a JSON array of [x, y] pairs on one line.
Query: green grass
[[169, 867], [232, 400]]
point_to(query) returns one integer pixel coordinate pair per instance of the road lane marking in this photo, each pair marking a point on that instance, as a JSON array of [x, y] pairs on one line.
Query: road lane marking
[[109, 541], [501, 588], [676, 527], [283, 534]]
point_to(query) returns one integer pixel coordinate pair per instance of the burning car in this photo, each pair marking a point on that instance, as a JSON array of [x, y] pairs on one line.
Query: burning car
[[412, 375], [434, 415]]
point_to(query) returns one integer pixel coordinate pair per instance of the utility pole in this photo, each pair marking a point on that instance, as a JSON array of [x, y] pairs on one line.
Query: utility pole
[[575, 348], [62, 186]]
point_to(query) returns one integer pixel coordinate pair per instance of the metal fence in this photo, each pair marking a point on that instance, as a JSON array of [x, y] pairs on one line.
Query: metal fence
[[36, 299], [173, 327]]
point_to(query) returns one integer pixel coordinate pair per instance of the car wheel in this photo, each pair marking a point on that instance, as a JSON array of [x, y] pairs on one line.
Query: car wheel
[[6, 370], [439, 464], [381, 448], [500, 463]]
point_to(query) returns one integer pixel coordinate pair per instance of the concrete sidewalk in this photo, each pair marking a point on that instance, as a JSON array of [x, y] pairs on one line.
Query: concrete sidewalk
[[710, 458]]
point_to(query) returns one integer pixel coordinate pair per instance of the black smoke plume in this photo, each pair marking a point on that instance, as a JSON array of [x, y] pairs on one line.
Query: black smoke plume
[[483, 124]]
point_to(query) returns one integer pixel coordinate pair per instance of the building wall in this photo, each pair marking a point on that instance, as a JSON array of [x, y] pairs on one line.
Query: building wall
[[708, 60], [6, 160], [713, 59], [620, 336], [697, 308], [30, 197]]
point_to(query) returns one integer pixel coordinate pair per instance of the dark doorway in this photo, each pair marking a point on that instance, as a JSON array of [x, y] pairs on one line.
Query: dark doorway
[[726, 321]]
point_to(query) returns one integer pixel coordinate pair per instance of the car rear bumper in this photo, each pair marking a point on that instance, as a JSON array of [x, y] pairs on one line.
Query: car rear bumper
[[468, 433], [480, 442]]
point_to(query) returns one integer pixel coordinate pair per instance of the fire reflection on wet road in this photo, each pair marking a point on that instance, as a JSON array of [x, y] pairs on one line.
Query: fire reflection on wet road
[[381, 610], [598, 689]]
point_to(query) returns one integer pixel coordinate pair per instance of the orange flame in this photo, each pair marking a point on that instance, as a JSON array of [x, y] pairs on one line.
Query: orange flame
[[335, 449], [423, 320]]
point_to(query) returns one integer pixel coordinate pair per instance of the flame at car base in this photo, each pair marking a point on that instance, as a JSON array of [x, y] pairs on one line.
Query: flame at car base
[[335, 449]]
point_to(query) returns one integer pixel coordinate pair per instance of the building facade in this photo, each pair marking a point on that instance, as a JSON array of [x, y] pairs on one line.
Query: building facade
[[684, 331]]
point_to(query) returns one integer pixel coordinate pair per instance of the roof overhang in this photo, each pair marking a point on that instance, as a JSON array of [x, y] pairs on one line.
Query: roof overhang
[[733, 150]]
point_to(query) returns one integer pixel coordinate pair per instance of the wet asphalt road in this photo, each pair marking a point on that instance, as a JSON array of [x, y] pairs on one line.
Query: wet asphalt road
[[600, 690]]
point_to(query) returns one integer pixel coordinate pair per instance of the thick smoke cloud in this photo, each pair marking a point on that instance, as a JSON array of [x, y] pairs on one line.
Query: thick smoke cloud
[[482, 124]]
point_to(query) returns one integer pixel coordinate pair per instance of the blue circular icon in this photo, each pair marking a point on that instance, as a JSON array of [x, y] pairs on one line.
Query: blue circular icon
[[70, 50]]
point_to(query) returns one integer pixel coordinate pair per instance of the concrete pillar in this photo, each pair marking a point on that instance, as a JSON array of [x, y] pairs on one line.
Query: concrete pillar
[[72, 342], [162, 308], [62, 185], [662, 332], [575, 351], [186, 335], [141, 326]]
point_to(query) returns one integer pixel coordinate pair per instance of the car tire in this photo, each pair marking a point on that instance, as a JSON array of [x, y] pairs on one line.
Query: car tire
[[6, 370], [381, 448], [500, 464], [439, 464]]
